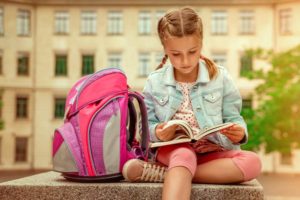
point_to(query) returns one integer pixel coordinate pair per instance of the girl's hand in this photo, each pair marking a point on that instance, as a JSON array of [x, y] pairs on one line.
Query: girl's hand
[[205, 146], [235, 133], [167, 133]]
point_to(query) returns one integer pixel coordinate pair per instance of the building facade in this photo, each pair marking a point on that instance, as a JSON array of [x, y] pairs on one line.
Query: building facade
[[45, 46]]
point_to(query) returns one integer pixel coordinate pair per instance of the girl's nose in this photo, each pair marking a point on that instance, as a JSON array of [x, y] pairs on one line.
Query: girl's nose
[[186, 61]]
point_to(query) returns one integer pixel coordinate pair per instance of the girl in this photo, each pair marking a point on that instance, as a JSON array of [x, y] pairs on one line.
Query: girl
[[196, 90]]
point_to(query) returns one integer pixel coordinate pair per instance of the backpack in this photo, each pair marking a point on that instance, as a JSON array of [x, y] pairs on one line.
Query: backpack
[[99, 131]]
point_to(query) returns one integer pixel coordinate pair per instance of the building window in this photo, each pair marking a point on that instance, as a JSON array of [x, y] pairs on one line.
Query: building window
[[285, 17], [88, 22], [22, 107], [23, 23], [1, 62], [286, 158], [23, 64], [158, 58], [1, 21], [87, 64], [246, 22], [61, 67], [247, 103], [144, 64], [0, 150], [115, 23], [1, 105], [1, 120], [144, 23], [59, 109], [61, 22], [114, 60], [21, 149], [220, 59], [246, 63], [219, 23]]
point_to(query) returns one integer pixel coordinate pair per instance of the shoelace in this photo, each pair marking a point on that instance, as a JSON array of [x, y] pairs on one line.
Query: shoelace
[[153, 173]]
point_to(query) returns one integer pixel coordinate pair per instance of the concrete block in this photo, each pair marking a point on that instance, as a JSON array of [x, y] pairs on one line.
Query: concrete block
[[52, 185]]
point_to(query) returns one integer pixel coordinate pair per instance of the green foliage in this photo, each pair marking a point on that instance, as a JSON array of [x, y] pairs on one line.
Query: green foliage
[[1, 124], [276, 121]]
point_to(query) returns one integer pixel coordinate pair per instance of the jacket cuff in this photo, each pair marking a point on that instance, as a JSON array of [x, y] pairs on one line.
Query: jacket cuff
[[153, 137]]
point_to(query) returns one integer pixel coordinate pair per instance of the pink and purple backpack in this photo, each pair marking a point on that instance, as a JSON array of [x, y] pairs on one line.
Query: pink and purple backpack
[[99, 131]]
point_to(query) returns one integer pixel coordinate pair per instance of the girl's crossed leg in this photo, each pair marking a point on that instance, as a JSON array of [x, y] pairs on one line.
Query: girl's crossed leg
[[184, 166]]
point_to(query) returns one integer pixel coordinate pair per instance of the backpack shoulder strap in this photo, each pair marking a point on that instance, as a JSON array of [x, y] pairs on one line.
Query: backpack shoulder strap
[[145, 129]]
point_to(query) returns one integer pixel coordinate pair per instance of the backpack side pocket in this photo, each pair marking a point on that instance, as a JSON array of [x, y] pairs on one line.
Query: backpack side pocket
[[66, 151]]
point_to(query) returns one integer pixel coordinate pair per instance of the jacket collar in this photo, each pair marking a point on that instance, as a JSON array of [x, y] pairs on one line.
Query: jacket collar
[[203, 75]]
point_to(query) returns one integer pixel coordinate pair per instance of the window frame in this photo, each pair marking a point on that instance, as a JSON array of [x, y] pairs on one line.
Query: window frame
[[115, 23], [83, 70], [219, 17], [60, 113], [24, 22], [247, 19], [220, 56], [61, 20], [114, 57], [24, 113], [26, 147], [1, 62], [245, 69], [285, 21], [20, 71], [145, 23], [2, 28], [143, 71], [88, 18], [62, 74]]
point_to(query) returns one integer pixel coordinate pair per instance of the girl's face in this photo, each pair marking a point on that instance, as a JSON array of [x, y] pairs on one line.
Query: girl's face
[[184, 53]]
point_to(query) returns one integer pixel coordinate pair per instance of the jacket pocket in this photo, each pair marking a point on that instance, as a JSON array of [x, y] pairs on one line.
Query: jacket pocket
[[213, 103], [161, 100], [161, 106]]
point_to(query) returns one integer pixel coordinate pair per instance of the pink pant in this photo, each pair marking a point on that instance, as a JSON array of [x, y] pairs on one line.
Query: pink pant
[[184, 155]]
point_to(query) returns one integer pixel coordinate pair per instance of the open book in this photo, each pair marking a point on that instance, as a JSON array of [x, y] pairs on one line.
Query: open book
[[185, 133]]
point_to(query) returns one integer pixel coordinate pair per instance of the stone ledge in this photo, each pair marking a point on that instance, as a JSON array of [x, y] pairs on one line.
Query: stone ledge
[[51, 185]]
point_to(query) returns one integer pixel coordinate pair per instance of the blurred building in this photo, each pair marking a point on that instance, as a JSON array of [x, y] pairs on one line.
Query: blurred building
[[45, 46]]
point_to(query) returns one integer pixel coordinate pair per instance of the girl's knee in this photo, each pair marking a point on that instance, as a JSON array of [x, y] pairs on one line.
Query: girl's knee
[[184, 157], [185, 154], [256, 163], [251, 165]]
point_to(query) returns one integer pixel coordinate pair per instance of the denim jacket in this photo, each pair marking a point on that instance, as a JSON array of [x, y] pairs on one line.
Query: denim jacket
[[213, 101]]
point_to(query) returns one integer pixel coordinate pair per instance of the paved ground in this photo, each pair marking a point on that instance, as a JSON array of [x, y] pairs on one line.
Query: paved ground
[[276, 186], [281, 186]]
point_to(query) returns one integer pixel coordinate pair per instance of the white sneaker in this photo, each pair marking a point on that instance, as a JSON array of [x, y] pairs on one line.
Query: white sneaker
[[136, 170]]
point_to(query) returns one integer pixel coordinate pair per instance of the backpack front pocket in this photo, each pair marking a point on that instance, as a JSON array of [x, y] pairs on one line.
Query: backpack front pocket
[[104, 138]]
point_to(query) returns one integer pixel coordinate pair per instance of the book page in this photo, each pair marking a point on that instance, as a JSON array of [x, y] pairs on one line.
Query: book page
[[177, 141], [184, 126], [212, 129]]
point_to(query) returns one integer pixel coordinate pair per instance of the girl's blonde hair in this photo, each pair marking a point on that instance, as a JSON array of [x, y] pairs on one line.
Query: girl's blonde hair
[[183, 22]]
